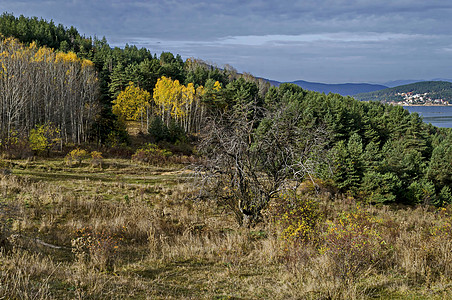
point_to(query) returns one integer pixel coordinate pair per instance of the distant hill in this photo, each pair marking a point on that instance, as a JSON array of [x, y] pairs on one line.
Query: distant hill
[[434, 89], [344, 89], [396, 83], [272, 82]]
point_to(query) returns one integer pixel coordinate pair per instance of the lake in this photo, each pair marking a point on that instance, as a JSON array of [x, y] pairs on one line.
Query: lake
[[440, 116]]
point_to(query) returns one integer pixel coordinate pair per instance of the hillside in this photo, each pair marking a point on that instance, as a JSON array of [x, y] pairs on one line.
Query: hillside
[[344, 89], [425, 92]]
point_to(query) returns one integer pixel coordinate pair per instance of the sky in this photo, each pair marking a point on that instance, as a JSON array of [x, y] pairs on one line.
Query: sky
[[330, 41]]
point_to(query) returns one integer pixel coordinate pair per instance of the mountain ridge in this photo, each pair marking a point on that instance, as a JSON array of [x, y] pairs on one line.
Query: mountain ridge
[[344, 89], [352, 89]]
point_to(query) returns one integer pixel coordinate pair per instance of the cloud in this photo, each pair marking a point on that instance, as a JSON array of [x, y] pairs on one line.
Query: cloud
[[325, 40]]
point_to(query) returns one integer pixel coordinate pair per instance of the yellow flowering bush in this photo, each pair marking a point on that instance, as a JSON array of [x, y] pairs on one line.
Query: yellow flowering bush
[[76, 156], [298, 218], [44, 138], [353, 243]]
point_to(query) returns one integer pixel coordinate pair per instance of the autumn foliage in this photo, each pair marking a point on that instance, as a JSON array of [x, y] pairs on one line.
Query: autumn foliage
[[41, 86]]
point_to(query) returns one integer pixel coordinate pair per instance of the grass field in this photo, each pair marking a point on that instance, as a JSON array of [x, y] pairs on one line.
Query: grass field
[[128, 230]]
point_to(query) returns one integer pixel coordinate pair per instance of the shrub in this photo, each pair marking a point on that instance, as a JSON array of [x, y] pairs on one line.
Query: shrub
[[76, 156], [158, 130], [96, 159], [15, 146], [297, 217], [97, 248], [151, 154], [353, 244], [172, 133], [44, 138], [5, 167]]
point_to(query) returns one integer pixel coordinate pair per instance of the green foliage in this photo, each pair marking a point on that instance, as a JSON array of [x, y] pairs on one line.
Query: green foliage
[[45, 33], [348, 163], [158, 130], [117, 134], [440, 167], [173, 133], [421, 192], [382, 153], [444, 197], [44, 138], [176, 133], [381, 188]]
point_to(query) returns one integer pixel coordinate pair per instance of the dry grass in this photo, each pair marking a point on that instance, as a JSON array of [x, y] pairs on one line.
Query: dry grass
[[133, 231]]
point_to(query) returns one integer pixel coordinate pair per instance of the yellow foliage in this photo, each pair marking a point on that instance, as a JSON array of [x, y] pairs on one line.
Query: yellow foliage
[[131, 103], [217, 86], [76, 156], [168, 96], [173, 98], [87, 63], [69, 57], [200, 91]]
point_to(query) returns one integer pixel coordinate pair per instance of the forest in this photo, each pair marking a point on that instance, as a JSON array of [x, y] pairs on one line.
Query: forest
[[189, 164]]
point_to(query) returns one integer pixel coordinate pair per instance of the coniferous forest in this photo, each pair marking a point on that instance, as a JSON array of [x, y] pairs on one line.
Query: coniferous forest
[[127, 174]]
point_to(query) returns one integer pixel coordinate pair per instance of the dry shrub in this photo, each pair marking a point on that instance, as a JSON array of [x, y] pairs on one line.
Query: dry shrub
[[295, 221], [353, 244], [297, 216], [5, 244], [16, 146], [25, 276], [97, 248], [152, 154], [330, 260], [96, 159]]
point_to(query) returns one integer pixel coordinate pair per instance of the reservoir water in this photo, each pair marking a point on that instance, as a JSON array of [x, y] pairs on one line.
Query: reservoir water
[[440, 116]]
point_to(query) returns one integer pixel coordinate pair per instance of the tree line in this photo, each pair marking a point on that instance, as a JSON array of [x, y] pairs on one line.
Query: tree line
[[256, 138]]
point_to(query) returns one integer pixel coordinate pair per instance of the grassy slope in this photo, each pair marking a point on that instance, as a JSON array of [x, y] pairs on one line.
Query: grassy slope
[[151, 240]]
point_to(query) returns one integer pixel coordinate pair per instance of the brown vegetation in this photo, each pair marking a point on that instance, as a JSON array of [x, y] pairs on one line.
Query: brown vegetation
[[127, 230]]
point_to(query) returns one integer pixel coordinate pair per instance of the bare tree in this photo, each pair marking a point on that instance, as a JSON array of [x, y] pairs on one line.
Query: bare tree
[[250, 160]]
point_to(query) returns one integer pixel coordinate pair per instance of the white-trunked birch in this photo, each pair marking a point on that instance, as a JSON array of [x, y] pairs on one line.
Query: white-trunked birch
[[41, 86]]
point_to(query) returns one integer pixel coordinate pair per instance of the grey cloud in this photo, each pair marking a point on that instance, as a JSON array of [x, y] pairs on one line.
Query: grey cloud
[[324, 40]]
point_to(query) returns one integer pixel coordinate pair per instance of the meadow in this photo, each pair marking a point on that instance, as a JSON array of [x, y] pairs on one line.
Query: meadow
[[212, 184], [126, 230]]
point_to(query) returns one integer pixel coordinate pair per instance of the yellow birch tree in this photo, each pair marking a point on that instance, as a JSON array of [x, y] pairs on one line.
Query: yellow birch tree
[[132, 104]]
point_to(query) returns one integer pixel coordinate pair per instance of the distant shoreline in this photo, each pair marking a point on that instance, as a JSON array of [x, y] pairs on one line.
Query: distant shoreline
[[439, 105]]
